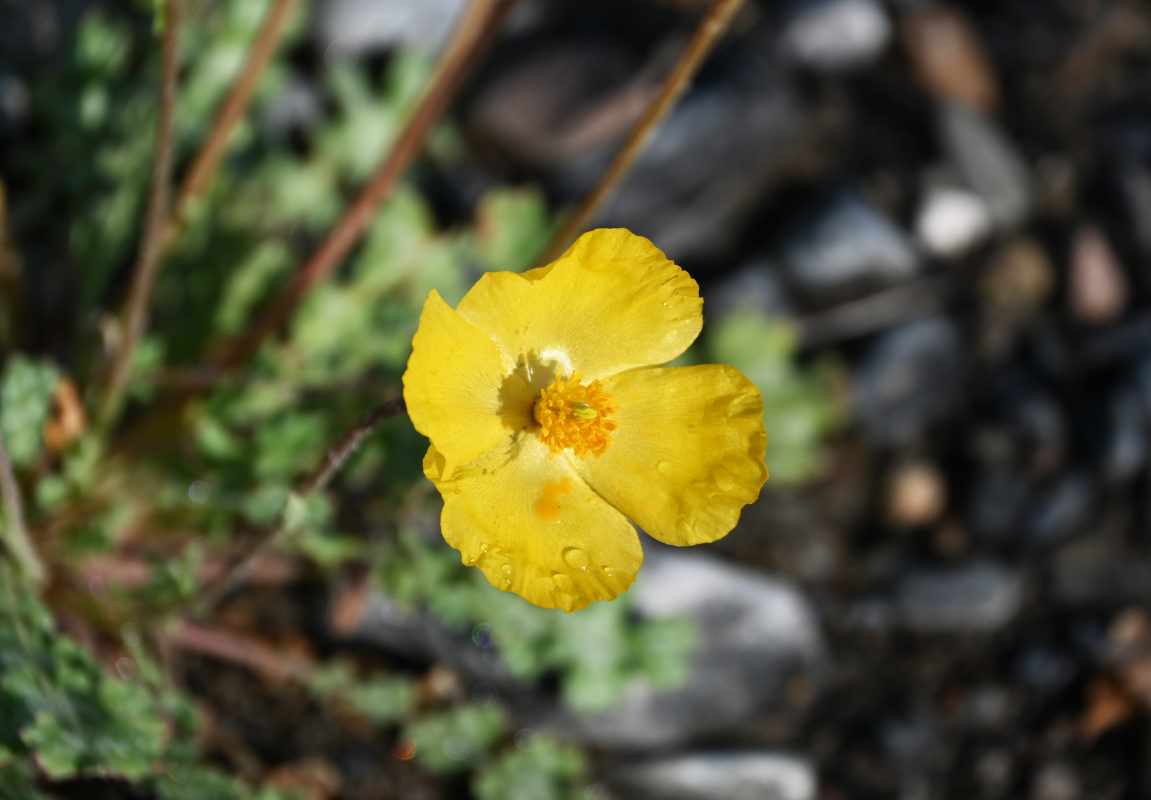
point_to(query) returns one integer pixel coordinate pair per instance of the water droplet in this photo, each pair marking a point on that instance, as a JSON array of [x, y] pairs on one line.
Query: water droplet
[[575, 558], [563, 582], [608, 572], [505, 578], [483, 635], [198, 492], [664, 468]]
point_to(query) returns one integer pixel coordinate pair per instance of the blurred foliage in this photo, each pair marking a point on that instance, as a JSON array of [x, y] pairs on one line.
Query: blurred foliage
[[802, 405], [226, 466], [25, 402]]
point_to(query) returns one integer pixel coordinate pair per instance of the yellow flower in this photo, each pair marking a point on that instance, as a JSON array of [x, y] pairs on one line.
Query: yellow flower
[[552, 423]]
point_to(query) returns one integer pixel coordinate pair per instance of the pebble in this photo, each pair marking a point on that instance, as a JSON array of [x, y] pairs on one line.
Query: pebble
[[952, 221], [354, 27], [836, 35], [1062, 509], [908, 380], [998, 499], [757, 632], [979, 596], [989, 162], [916, 494], [845, 246], [1125, 441], [1097, 288], [731, 775], [948, 56]]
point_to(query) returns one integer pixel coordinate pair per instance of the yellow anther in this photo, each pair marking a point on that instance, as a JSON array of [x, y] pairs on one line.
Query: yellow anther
[[574, 416]]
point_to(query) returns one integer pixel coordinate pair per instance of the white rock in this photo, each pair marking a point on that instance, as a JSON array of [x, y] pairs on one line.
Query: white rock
[[952, 221], [731, 776], [837, 34]]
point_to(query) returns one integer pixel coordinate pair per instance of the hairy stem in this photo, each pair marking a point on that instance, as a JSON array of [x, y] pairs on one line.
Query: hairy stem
[[473, 35], [212, 151], [151, 244], [710, 29], [334, 459], [16, 531]]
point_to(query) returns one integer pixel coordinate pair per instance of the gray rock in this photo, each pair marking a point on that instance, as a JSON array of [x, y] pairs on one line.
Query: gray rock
[[728, 775], [1099, 570], [908, 381], [1126, 440], [353, 27], [836, 35], [755, 632], [755, 286], [846, 246], [1000, 494], [1061, 509], [989, 162], [978, 596], [702, 176]]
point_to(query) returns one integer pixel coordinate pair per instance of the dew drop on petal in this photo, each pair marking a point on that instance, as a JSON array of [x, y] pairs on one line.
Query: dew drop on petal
[[575, 558], [506, 572], [664, 468], [563, 582]]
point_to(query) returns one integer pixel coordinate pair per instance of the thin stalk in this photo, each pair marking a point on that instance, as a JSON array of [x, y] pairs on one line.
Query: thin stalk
[[151, 244], [212, 151], [473, 35], [713, 25], [334, 459], [16, 531]]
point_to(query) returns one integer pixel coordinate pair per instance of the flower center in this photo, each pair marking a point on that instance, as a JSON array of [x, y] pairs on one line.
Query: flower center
[[574, 415]]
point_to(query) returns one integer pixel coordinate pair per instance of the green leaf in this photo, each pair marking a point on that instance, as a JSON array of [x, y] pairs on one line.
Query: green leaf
[[539, 769], [451, 741], [25, 402]]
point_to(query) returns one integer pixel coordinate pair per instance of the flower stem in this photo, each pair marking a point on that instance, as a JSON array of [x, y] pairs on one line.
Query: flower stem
[[714, 23], [229, 577], [155, 222], [473, 35], [207, 160], [16, 532]]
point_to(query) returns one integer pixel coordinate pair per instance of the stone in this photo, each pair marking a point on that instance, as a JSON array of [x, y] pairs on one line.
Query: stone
[[952, 221], [836, 35], [739, 775], [755, 286], [948, 56], [909, 380], [756, 632], [1061, 509], [989, 162], [1125, 437], [354, 27], [981, 596], [844, 246], [1097, 287], [916, 494]]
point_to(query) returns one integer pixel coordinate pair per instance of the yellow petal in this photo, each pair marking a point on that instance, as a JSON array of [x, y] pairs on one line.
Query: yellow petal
[[460, 392], [612, 302], [688, 452], [534, 527]]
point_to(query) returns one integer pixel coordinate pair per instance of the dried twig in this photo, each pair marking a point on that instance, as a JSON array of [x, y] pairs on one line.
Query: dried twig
[[148, 260], [474, 33], [16, 532], [238, 648], [212, 151], [710, 29], [334, 459]]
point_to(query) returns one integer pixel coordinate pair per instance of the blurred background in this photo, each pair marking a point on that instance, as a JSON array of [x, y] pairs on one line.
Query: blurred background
[[922, 228]]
